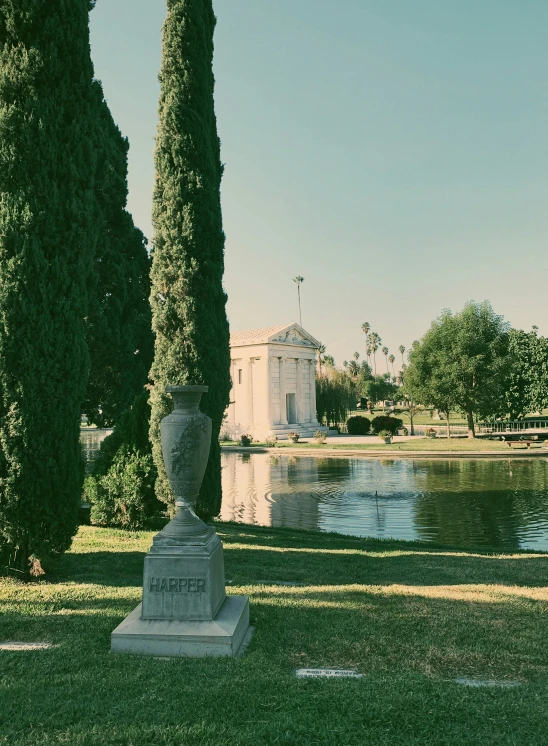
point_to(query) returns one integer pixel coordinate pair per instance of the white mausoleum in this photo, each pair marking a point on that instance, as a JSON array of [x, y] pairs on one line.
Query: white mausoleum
[[273, 382]]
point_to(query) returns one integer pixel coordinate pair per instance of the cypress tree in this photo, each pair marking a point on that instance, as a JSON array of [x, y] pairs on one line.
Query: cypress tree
[[47, 236], [187, 298], [119, 332]]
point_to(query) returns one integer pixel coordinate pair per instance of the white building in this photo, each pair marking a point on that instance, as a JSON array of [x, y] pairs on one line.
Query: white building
[[273, 382]]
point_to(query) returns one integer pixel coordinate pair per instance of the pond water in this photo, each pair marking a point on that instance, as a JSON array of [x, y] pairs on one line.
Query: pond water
[[91, 440], [462, 502]]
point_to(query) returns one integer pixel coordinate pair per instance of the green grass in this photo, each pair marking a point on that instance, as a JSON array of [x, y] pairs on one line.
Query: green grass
[[419, 444], [409, 617]]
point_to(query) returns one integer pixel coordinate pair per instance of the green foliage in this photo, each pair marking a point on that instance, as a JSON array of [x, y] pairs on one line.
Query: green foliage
[[463, 362], [187, 298], [119, 332], [358, 425], [385, 434], [121, 489], [335, 397], [528, 378], [124, 497], [379, 388], [390, 424], [48, 219], [320, 437], [246, 440]]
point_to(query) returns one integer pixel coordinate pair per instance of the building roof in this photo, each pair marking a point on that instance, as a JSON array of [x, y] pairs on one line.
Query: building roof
[[273, 334]]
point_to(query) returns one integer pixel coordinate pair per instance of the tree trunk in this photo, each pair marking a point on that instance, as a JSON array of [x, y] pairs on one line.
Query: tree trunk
[[471, 427], [448, 425], [411, 425]]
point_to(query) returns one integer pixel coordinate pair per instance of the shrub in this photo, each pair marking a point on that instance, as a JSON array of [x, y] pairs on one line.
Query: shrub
[[320, 437], [246, 440], [392, 424], [385, 434], [358, 425], [271, 441], [124, 497]]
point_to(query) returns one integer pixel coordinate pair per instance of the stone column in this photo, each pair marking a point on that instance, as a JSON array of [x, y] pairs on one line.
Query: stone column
[[283, 400], [250, 418], [299, 395], [233, 373], [312, 384]]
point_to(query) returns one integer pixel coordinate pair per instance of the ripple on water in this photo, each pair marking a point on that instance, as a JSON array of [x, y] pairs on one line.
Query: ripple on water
[[463, 502]]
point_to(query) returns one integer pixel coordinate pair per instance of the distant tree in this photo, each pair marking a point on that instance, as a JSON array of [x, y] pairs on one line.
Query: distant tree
[[299, 280], [48, 218], [528, 375], [329, 360], [406, 396], [366, 328], [188, 299], [377, 389], [376, 342], [335, 397], [385, 352], [463, 362], [392, 360], [118, 322], [321, 352], [401, 348]]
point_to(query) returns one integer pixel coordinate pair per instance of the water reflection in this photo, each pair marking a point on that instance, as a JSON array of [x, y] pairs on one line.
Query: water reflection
[[91, 440], [460, 503]]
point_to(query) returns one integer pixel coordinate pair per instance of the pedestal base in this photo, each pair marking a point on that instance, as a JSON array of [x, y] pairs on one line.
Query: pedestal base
[[185, 639]]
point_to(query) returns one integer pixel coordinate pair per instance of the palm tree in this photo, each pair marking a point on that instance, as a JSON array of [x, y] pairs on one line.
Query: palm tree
[[385, 353], [321, 351], [345, 364], [392, 360], [299, 280], [329, 360], [353, 368], [369, 351], [366, 328], [376, 342], [356, 356], [402, 350]]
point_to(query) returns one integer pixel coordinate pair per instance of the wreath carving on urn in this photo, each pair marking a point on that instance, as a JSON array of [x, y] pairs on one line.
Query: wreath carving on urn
[[183, 450]]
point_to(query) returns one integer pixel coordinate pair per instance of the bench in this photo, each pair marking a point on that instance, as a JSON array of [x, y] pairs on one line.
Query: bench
[[528, 443]]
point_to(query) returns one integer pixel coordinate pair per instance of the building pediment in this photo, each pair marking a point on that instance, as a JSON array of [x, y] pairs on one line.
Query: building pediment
[[289, 334]]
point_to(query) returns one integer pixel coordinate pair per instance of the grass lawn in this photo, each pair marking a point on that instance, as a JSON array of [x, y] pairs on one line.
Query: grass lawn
[[409, 617], [417, 444]]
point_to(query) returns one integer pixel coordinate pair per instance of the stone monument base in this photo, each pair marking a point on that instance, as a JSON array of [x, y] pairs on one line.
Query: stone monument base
[[185, 639]]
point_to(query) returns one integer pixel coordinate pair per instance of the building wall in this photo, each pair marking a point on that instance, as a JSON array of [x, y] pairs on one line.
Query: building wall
[[262, 376]]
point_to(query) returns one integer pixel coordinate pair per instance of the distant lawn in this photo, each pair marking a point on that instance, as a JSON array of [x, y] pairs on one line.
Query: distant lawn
[[418, 444], [408, 617]]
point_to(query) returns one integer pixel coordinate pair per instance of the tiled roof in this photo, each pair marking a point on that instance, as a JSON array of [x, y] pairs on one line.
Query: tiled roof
[[255, 336]]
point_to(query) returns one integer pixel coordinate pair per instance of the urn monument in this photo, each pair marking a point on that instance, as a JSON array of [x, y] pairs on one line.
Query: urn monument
[[185, 610]]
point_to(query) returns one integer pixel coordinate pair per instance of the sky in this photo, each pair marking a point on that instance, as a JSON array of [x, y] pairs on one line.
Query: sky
[[394, 153]]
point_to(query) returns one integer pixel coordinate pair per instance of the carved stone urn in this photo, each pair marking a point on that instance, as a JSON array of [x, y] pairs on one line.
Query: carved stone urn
[[186, 440], [185, 610]]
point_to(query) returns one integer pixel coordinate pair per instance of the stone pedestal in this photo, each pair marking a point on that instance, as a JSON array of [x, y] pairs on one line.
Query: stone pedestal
[[185, 610]]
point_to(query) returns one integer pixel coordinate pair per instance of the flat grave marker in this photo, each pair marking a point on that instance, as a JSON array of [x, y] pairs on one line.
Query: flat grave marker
[[16, 646], [327, 673], [487, 682]]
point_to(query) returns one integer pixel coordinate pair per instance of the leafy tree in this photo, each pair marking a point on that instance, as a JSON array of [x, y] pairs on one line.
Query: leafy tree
[[187, 298], [463, 362], [528, 374], [48, 217], [119, 332], [335, 397], [378, 388], [407, 396]]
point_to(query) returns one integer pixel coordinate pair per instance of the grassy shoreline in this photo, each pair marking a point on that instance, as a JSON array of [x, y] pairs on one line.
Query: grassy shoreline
[[411, 617]]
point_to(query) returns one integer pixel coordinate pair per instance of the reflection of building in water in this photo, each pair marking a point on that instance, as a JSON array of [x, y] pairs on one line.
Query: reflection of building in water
[[297, 505], [270, 490], [246, 483]]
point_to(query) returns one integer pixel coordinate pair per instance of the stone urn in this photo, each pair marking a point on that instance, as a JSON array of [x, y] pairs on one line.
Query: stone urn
[[186, 440]]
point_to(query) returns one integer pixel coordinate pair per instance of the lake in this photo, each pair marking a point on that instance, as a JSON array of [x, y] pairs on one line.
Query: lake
[[461, 502]]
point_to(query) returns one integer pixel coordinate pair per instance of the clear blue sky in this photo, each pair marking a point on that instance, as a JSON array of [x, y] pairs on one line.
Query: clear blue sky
[[393, 152]]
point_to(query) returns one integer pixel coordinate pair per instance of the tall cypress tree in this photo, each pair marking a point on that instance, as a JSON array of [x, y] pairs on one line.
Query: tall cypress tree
[[47, 235], [187, 298], [119, 332]]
